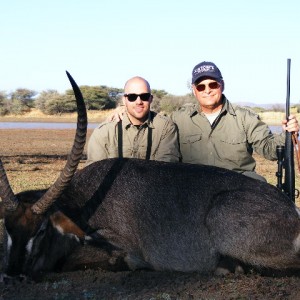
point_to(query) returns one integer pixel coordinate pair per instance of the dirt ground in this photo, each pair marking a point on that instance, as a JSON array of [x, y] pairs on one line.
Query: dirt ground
[[33, 159]]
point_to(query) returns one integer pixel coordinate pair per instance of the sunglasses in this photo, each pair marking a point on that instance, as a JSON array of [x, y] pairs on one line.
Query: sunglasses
[[133, 97], [212, 85]]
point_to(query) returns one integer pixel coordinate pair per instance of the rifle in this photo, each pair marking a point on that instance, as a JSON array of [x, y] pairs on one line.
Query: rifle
[[285, 154]]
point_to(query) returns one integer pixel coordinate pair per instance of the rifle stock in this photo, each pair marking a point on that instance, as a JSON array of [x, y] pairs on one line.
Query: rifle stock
[[289, 182], [288, 162]]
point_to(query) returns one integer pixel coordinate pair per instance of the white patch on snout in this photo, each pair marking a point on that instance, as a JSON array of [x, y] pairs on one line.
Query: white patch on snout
[[296, 243], [9, 242], [71, 235], [297, 210], [29, 245]]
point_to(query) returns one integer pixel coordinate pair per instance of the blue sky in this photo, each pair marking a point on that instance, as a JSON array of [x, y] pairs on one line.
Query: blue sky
[[104, 42]]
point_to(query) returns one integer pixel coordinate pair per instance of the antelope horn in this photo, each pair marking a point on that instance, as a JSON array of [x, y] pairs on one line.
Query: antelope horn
[[74, 157], [10, 201]]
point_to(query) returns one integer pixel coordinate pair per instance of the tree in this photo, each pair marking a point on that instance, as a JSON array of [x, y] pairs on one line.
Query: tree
[[60, 104], [157, 96], [97, 97], [24, 96], [51, 102], [44, 98], [159, 93], [258, 109], [169, 103], [4, 104], [21, 100], [277, 107]]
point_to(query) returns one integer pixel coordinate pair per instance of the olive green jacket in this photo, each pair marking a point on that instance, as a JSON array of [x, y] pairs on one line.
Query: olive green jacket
[[229, 142], [103, 142]]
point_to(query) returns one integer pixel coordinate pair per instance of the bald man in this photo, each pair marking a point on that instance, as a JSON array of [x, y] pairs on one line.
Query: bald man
[[142, 133]]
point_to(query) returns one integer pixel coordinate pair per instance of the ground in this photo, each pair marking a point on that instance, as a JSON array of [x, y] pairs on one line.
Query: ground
[[33, 159]]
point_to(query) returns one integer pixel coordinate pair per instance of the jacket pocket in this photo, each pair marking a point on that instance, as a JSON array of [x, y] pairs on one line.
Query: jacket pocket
[[190, 148], [191, 139], [234, 148]]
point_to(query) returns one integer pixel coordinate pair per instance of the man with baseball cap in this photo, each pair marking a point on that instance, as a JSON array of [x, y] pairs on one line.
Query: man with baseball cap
[[216, 132]]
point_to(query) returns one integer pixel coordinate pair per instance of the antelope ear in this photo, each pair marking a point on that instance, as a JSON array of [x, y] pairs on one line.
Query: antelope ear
[[65, 225]]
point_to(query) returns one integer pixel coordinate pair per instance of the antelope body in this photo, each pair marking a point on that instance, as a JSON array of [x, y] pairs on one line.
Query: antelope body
[[131, 214], [183, 217]]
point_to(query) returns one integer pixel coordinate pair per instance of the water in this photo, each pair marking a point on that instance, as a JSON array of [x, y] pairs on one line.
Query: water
[[276, 128], [40, 125]]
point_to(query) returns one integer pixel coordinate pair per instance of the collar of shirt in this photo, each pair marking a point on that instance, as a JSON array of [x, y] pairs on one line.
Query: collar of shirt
[[228, 107], [149, 122]]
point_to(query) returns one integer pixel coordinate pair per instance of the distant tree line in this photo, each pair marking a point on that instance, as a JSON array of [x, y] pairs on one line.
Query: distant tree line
[[52, 102], [96, 98]]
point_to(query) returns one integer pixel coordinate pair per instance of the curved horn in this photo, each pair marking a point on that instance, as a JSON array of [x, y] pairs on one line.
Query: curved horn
[[74, 157], [10, 201]]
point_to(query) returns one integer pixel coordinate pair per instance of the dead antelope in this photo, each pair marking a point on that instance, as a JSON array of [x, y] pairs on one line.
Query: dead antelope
[[130, 213]]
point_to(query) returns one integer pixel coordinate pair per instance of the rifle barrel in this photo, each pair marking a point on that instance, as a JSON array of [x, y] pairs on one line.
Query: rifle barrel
[[289, 183], [287, 103]]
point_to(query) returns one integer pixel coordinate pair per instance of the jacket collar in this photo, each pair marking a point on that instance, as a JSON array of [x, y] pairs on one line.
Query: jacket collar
[[227, 106], [149, 122]]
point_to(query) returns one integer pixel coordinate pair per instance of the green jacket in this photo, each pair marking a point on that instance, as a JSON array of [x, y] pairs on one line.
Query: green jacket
[[103, 142], [229, 142]]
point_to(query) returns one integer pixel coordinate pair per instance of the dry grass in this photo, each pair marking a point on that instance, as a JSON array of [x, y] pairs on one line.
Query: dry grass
[[33, 158], [36, 115]]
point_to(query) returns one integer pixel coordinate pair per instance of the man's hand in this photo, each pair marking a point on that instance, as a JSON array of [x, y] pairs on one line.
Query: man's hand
[[291, 125], [117, 115]]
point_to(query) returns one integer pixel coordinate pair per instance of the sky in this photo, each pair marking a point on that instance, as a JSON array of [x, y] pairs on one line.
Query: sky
[[104, 42]]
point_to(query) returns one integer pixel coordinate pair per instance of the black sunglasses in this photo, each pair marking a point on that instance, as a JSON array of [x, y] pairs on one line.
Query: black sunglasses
[[133, 97], [212, 85]]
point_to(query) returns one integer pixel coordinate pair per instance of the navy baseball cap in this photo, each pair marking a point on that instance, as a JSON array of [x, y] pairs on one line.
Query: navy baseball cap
[[206, 69]]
